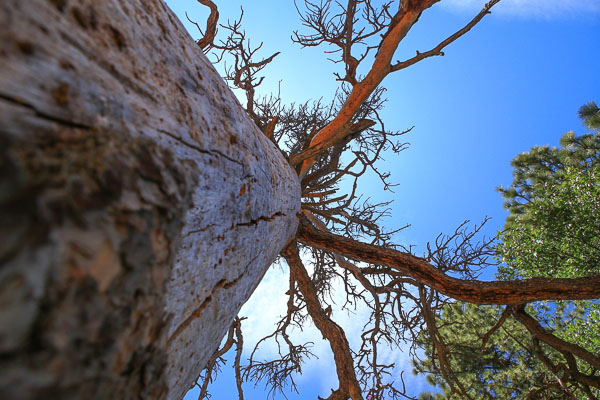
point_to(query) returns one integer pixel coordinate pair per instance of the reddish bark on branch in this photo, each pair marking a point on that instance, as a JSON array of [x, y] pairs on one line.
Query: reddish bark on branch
[[348, 384], [472, 291]]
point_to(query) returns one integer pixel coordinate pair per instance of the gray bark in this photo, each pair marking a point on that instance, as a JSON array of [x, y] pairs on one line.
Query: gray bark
[[139, 206]]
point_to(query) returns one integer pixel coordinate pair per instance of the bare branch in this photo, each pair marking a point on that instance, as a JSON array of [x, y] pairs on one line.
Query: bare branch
[[239, 347], [440, 347], [212, 366], [494, 328], [473, 291], [211, 25], [539, 332], [340, 125], [348, 385], [437, 50]]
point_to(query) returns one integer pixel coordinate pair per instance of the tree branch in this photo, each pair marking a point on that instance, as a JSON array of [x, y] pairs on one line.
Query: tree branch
[[437, 50], [211, 25], [472, 291], [494, 328], [348, 384], [539, 332], [337, 128]]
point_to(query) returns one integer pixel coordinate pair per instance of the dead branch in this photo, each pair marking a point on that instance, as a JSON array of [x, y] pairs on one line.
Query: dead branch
[[348, 384], [473, 291], [407, 15], [539, 332], [211, 25], [437, 50], [494, 328]]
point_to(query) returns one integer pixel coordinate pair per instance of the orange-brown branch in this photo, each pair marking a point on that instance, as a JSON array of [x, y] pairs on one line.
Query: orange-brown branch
[[348, 384], [340, 125], [211, 24], [401, 23], [472, 291], [437, 50]]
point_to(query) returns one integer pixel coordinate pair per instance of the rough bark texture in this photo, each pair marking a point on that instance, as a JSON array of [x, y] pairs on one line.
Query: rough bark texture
[[139, 206]]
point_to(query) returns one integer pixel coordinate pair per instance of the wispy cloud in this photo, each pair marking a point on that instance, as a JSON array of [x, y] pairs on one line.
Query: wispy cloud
[[268, 303], [532, 8]]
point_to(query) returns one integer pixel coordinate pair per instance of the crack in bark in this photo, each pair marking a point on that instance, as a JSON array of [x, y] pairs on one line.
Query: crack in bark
[[43, 115], [250, 223], [222, 284], [192, 232], [199, 149], [257, 220]]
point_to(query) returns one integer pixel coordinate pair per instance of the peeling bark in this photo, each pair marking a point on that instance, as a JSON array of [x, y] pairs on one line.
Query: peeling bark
[[139, 205]]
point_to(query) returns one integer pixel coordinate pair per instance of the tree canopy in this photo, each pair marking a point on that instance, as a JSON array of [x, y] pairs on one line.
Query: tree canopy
[[553, 231], [489, 359], [554, 202]]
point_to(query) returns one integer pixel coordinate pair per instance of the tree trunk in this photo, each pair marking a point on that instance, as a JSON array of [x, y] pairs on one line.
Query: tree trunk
[[139, 206]]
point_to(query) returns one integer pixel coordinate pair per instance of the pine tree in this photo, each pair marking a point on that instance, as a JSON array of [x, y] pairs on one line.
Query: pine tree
[[554, 202], [502, 363], [590, 114], [553, 231]]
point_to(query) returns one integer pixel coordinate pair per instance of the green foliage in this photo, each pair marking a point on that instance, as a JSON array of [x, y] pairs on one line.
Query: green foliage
[[577, 322], [553, 231], [537, 172], [590, 115], [506, 368], [554, 201], [554, 227], [557, 233]]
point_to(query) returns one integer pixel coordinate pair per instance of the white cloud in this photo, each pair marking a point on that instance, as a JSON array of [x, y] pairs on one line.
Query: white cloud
[[266, 306], [531, 8], [263, 309], [268, 303]]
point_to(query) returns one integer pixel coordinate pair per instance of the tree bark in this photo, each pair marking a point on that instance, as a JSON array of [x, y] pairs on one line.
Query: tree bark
[[139, 205]]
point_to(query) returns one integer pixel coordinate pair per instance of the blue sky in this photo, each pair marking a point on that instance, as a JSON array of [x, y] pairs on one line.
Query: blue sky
[[514, 81]]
